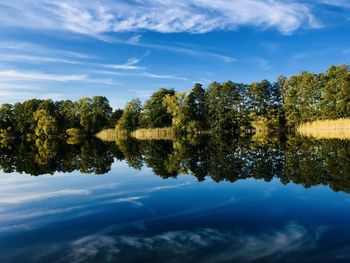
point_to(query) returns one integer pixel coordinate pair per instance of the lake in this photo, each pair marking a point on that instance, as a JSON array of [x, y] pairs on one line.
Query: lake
[[202, 199]]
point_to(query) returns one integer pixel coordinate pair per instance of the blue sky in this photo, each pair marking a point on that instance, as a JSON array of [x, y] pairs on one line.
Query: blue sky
[[125, 49]]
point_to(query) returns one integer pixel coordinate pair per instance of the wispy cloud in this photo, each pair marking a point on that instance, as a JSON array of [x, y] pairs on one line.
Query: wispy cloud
[[340, 3], [131, 64], [194, 16], [35, 59], [139, 74], [39, 76]]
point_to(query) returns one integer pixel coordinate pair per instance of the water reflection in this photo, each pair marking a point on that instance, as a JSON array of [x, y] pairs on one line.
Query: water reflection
[[303, 161], [131, 215]]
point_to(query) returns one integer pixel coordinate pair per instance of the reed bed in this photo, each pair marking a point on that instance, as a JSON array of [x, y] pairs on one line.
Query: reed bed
[[140, 134], [155, 134], [111, 135], [326, 129]]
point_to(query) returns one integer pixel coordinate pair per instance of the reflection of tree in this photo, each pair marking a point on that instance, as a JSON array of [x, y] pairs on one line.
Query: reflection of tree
[[156, 155], [299, 160], [311, 162], [130, 147], [49, 156]]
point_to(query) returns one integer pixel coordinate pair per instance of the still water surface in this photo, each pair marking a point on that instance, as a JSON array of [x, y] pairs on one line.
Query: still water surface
[[232, 200]]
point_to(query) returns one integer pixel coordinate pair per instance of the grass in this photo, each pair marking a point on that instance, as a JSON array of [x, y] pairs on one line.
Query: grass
[[154, 134], [326, 129], [111, 135], [140, 134]]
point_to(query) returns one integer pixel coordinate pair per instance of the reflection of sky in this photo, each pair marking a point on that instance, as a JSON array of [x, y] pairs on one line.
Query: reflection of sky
[[129, 214]]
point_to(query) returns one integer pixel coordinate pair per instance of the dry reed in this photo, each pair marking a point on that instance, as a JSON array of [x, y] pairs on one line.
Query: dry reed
[[155, 134], [326, 129], [111, 135]]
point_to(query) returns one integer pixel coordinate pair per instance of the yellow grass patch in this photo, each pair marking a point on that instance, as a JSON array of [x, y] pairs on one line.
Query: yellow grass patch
[[140, 134], [111, 135], [154, 134], [326, 129]]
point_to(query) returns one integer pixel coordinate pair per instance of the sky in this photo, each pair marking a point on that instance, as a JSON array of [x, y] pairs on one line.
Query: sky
[[123, 49]]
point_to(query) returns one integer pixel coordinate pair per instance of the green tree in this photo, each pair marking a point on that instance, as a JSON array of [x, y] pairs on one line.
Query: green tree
[[68, 115], [178, 107], [225, 109], [94, 113], [301, 96], [130, 119], [23, 114], [197, 105], [155, 114], [335, 92], [115, 116], [6, 116], [46, 124]]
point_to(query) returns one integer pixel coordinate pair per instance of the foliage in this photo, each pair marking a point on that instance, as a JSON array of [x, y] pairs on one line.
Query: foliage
[[224, 103], [130, 119], [155, 114], [46, 124]]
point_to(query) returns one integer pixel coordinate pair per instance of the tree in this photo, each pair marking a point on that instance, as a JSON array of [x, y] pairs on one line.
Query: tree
[[94, 114], [68, 115], [155, 114], [335, 92], [46, 124], [6, 116], [197, 105], [259, 94], [301, 96], [225, 107], [130, 119], [115, 116], [23, 114]]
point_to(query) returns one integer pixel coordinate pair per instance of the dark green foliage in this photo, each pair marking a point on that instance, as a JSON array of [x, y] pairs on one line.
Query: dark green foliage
[[49, 118], [154, 114], [115, 117], [224, 104], [196, 101], [131, 117]]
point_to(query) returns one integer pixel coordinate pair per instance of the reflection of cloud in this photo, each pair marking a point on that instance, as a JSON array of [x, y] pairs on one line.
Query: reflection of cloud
[[130, 199], [234, 245], [30, 197]]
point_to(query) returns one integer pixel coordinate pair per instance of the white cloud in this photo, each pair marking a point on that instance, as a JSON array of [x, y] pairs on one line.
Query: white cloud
[[166, 16], [131, 64], [39, 76], [35, 59], [139, 74], [340, 3]]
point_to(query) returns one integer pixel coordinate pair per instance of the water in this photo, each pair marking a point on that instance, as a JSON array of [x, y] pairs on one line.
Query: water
[[204, 200]]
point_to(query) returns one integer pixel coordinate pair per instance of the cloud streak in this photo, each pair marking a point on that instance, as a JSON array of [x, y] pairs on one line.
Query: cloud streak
[[194, 16]]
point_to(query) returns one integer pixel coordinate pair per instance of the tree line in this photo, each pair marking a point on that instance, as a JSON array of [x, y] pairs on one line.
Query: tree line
[[47, 118], [230, 106], [226, 107]]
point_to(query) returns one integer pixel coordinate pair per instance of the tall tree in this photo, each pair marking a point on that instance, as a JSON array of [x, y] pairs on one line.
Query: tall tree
[[301, 96], [224, 106], [46, 124], [336, 92], [154, 113], [197, 105], [130, 119]]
